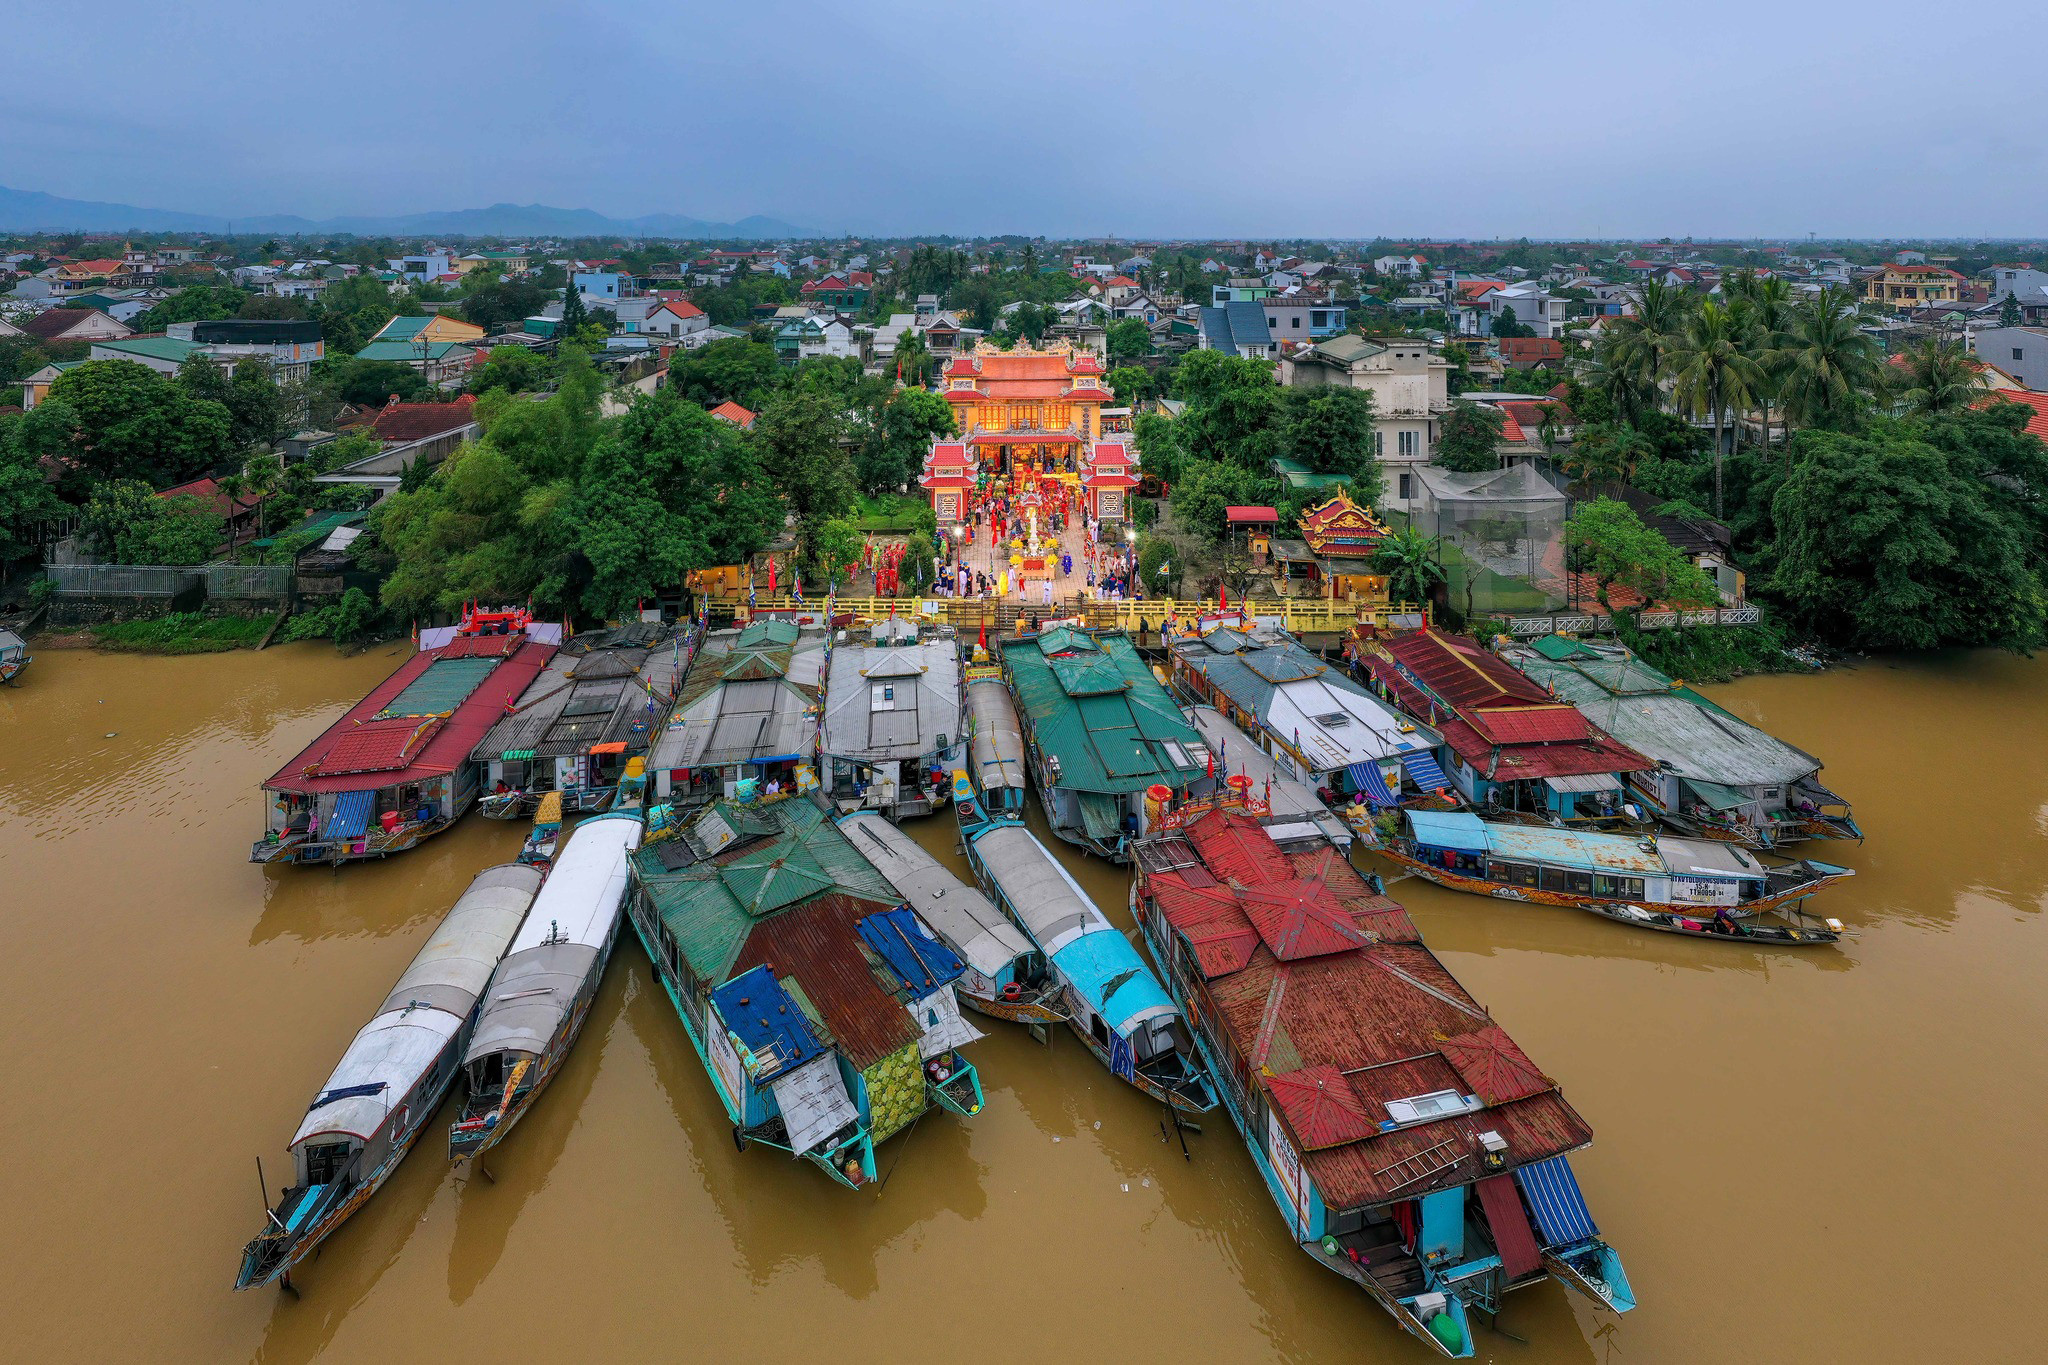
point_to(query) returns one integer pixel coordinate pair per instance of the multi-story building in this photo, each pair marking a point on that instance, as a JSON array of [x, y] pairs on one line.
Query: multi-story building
[[1410, 386], [1913, 286]]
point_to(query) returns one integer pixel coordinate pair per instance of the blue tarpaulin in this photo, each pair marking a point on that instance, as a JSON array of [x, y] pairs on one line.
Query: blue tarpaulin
[[770, 1026], [1365, 777], [1425, 772], [347, 1092], [1561, 1213], [920, 961], [351, 815]]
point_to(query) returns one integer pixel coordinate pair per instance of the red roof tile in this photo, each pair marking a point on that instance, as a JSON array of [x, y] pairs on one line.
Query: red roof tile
[[376, 746], [398, 422], [732, 412], [1555, 724], [1492, 1067], [2038, 421], [1321, 1107]]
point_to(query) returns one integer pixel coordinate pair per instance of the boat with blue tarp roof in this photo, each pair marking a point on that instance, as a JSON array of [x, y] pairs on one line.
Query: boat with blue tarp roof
[[1114, 1004], [1701, 887], [821, 1007]]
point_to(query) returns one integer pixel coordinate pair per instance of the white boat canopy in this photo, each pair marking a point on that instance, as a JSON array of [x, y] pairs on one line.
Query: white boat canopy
[[1051, 904], [997, 749], [958, 913]]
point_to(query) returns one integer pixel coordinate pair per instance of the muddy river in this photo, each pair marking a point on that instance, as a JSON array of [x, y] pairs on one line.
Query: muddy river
[[1813, 1156]]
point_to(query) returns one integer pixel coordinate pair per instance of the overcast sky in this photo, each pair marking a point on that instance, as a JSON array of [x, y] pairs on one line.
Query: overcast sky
[[1434, 117]]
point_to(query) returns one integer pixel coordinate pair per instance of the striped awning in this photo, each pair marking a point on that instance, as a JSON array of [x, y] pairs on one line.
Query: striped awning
[[1424, 771], [351, 815], [1561, 1213], [1365, 777]]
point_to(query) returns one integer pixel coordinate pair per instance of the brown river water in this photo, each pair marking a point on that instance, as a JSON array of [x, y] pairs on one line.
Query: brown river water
[[1828, 1155]]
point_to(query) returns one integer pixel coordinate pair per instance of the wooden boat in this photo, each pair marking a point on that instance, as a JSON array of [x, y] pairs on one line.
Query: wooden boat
[[539, 848], [821, 1007], [1006, 977], [393, 1077], [1587, 870], [14, 657], [541, 993], [1114, 1004], [995, 743], [1407, 1141], [395, 770], [1787, 927]]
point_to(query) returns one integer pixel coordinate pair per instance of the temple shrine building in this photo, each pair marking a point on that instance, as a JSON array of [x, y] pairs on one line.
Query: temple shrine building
[[1029, 418], [1333, 558]]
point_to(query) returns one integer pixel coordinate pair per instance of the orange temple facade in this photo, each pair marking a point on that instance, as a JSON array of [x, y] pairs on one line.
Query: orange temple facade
[[1028, 416]]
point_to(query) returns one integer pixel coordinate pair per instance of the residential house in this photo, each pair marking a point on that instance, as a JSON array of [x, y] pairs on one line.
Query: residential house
[[1299, 319], [1406, 267], [239, 513], [1532, 306], [437, 327], [78, 277], [732, 412], [1410, 387], [122, 305], [424, 265], [2028, 287], [503, 262], [848, 290], [289, 348], [1238, 290], [2021, 352], [601, 287], [36, 387], [1529, 353], [1115, 289], [1911, 286], [439, 362], [408, 434], [674, 319], [74, 324], [1239, 329], [1136, 305], [160, 353]]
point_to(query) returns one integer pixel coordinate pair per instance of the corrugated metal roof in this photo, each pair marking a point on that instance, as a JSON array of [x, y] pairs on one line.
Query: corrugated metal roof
[[1104, 743], [1355, 1028]]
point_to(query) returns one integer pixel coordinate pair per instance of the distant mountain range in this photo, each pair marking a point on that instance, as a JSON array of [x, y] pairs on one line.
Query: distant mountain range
[[34, 211]]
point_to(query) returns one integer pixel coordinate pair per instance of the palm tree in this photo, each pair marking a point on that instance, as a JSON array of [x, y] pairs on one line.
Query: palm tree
[[1711, 374], [1605, 454], [1409, 559], [1825, 361], [1940, 377], [1638, 356]]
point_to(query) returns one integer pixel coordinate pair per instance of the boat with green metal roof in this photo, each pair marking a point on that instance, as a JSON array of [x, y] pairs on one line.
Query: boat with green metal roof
[[820, 1005], [1100, 730], [1717, 776]]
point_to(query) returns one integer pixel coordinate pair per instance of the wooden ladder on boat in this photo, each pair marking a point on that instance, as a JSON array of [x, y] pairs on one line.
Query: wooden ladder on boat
[[1422, 1165]]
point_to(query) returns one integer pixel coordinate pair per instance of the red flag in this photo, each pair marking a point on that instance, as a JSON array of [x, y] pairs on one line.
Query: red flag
[[1223, 594], [771, 573], [982, 643]]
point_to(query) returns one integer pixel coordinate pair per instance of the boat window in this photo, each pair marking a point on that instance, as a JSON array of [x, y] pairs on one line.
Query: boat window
[[1551, 879], [1580, 883], [1436, 1104], [324, 1161], [1632, 887], [1605, 885], [1100, 1030]]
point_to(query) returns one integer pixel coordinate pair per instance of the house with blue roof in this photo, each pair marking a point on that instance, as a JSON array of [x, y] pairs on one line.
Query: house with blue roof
[[1239, 329]]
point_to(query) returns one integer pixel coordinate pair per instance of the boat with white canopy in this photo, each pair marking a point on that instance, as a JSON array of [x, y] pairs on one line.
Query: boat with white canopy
[[995, 744], [393, 1077], [541, 993], [1006, 977]]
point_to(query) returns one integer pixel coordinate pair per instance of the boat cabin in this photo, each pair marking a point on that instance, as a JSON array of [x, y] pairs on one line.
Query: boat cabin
[[1622, 867], [745, 720], [995, 744], [892, 728]]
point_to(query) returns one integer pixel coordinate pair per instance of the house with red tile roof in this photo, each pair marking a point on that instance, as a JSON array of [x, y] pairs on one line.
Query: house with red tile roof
[[732, 412], [1529, 353], [74, 324]]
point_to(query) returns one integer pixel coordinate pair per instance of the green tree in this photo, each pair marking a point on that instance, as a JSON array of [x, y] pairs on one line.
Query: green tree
[[1711, 376], [1129, 383], [2009, 311], [194, 303], [27, 502], [799, 439], [1508, 325], [513, 368], [1202, 493], [836, 544], [1233, 411], [667, 489], [1605, 454], [1128, 339], [122, 420], [574, 315], [496, 305], [1899, 537], [1468, 439], [897, 438], [1940, 377], [1412, 562], [733, 369], [128, 524], [915, 364], [256, 406], [372, 383], [1159, 448], [1609, 543], [1826, 364], [1329, 428]]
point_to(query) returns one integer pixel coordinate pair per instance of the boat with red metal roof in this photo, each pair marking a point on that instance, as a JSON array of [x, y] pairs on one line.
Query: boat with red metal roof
[[395, 769], [1412, 1147]]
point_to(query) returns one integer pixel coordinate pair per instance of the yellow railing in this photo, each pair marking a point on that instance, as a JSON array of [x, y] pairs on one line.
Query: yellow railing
[[1300, 616]]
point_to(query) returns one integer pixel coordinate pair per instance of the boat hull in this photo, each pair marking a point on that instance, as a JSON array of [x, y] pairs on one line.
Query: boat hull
[[1479, 886], [316, 1232], [1014, 1011]]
